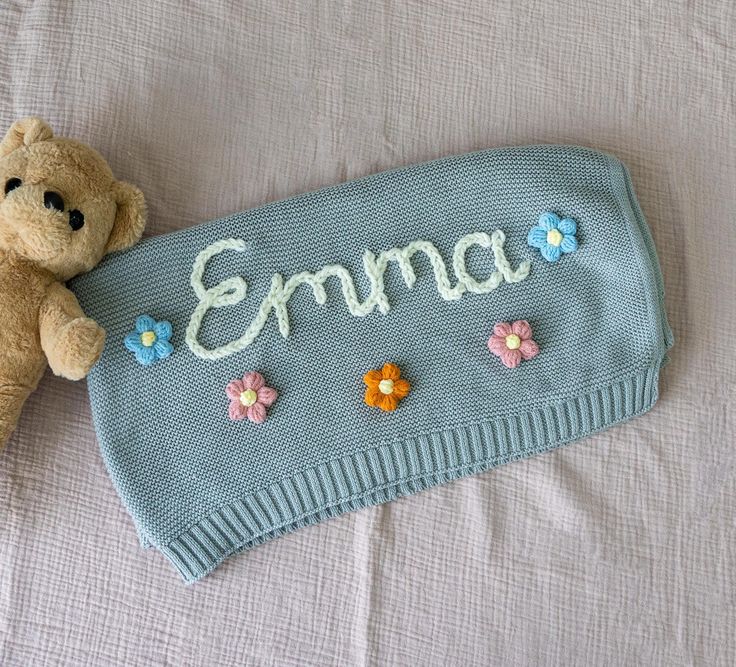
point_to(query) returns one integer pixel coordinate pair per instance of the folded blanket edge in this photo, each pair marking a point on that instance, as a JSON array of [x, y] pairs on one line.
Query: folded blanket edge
[[394, 470]]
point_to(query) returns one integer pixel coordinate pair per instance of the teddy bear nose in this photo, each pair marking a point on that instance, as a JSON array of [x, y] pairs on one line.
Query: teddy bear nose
[[53, 200]]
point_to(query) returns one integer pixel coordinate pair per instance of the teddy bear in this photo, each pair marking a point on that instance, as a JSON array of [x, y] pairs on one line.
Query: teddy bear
[[61, 211]]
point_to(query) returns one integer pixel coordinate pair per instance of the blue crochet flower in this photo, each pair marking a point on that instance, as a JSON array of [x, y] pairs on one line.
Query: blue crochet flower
[[150, 340], [553, 236]]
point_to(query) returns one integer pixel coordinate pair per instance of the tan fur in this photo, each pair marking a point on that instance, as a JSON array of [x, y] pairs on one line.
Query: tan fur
[[40, 319]]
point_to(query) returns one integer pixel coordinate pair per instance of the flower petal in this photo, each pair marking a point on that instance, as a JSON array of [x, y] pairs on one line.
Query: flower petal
[[234, 389], [511, 358], [548, 221], [529, 349], [372, 378], [163, 330], [132, 342], [522, 329], [145, 355], [391, 372], [372, 397], [551, 252], [502, 329], [569, 244], [401, 388], [567, 226], [236, 410], [144, 323], [388, 402], [163, 348], [257, 413], [497, 345], [267, 396], [537, 237], [253, 380]]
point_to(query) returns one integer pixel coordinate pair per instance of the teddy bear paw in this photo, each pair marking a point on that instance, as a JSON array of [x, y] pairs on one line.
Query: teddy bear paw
[[78, 348]]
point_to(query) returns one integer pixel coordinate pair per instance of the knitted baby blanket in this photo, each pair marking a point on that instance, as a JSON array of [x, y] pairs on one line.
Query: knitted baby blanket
[[338, 349]]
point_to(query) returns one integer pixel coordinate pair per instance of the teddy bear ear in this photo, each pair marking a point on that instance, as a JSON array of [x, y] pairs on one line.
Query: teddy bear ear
[[130, 218], [24, 133]]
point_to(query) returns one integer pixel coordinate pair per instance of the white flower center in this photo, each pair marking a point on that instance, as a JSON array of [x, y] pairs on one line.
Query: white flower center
[[148, 338], [554, 237], [386, 386], [513, 342], [248, 397]]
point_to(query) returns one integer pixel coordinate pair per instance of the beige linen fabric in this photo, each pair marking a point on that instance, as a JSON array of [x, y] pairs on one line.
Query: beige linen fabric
[[618, 550]]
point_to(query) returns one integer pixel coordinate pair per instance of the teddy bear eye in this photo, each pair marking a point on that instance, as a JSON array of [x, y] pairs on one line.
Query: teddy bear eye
[[12, 183], [76, 220], [53, 200]]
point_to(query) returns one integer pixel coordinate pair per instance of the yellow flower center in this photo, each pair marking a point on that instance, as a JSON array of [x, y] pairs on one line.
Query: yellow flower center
[[513, 342], [148, 338], [248, 397], [386, 386], [554, 237]]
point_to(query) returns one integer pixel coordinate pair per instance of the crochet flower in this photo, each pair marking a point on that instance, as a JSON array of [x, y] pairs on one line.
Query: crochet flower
[[150, 340], [513, 342], [385, 388], [249, 398], [553, 236]]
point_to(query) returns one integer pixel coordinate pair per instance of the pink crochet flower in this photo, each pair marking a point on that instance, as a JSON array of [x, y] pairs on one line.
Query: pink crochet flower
[[249, 398], [513, 342]]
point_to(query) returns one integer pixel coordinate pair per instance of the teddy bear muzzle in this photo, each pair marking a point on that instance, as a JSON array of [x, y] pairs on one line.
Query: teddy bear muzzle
[[55, 201], [35, 220]]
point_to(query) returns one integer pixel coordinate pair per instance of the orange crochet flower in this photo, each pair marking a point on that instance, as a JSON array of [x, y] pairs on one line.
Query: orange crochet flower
[[385, 388]]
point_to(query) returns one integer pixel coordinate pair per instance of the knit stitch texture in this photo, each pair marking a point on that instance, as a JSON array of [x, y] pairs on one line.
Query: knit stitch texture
[[201, 486]]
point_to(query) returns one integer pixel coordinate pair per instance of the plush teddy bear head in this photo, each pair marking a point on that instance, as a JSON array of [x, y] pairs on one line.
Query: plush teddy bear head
[[60, 206]]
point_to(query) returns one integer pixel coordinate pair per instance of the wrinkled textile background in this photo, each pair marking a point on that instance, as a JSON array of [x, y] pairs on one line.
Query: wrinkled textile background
[[618, 550]]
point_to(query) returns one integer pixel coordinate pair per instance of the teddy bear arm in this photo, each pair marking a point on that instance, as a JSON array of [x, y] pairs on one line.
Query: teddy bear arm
[[71, 341]]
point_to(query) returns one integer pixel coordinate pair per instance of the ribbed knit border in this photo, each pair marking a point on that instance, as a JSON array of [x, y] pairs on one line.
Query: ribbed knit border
[[400, 468]]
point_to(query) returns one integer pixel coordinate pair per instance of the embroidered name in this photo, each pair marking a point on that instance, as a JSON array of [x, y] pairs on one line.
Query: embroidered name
[[233, 290]]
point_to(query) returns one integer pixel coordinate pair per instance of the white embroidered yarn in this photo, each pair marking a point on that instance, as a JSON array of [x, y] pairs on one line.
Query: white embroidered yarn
[[233, 290]]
